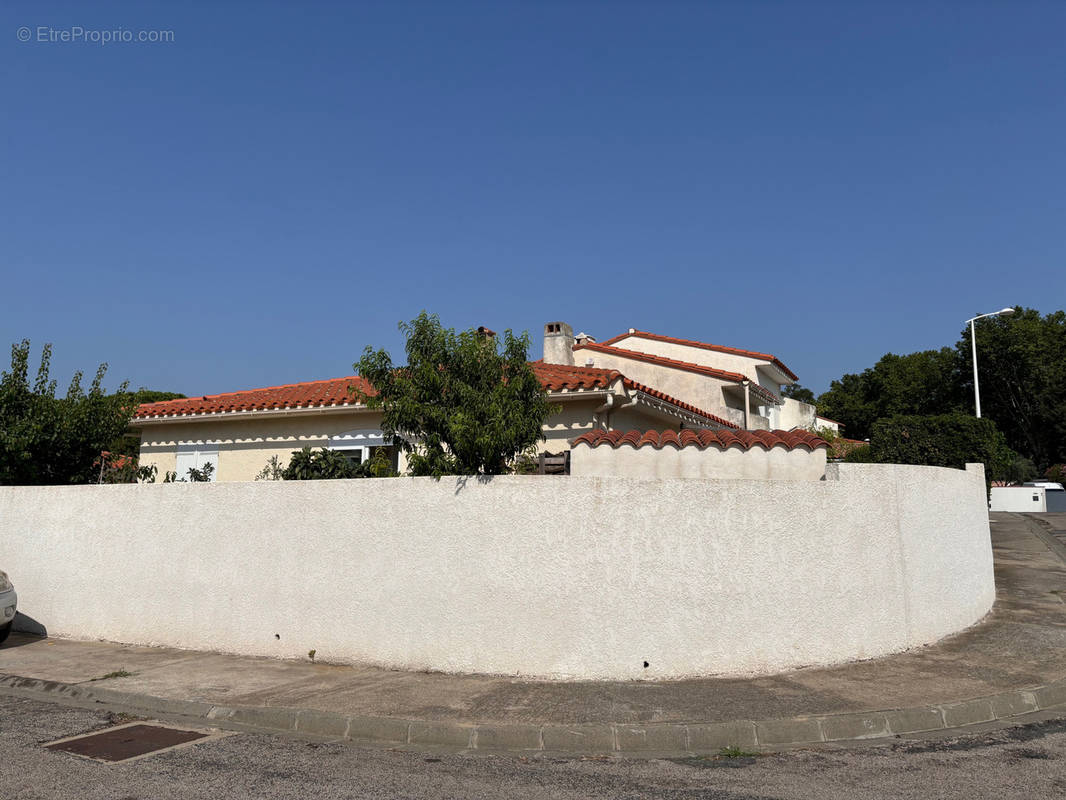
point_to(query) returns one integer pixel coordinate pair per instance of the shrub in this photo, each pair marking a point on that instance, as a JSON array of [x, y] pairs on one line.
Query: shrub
[[944, 440], [321, 464], [859, 455], [202, 475], [272, 471]]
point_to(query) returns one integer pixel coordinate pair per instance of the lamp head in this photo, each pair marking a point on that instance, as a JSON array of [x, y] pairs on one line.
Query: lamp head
[[1005, 311]]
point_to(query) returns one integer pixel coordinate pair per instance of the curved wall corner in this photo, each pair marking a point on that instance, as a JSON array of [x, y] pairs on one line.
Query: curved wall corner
[[540, 576]]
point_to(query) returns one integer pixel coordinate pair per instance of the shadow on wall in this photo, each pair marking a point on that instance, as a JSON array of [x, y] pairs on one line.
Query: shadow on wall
[[461, 481]]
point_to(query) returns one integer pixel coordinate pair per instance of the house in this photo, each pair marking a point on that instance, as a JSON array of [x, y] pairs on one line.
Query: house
[[637, 381], [742, 386]]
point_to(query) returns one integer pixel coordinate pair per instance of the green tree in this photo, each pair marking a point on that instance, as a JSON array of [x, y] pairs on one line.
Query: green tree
[[465, 403], [926, 382], [46, 439], [796, 392], [1022, 363], [129, 443]]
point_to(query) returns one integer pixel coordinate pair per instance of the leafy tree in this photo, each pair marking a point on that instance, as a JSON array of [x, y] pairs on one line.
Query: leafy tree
[[462, 404], [1022, 363], [926, 382], [46, 439], [129, 443], [796, 392]]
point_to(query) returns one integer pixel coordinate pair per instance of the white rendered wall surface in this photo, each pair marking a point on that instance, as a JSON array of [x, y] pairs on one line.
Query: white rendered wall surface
[[626, 461], [1018, 498], [557, 577]]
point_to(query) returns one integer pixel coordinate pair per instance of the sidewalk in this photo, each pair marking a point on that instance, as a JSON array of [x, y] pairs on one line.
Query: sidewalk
[[1013, 661]]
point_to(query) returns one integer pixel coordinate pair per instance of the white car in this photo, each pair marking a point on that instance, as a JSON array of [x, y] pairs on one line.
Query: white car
[[8, 602]]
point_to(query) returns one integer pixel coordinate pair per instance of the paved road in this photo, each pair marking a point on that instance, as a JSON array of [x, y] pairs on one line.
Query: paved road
[[1024, 762], [1020, 645]]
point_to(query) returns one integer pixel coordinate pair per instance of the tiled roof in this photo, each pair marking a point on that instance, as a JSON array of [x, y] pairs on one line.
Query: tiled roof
[[323, 394], [312, 394], [722, 439], [560, 377], [705, 346], [688, 366]]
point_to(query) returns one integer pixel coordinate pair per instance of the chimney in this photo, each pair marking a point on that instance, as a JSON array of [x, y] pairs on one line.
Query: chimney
[[484, 332], [584, 338], [558, 344]]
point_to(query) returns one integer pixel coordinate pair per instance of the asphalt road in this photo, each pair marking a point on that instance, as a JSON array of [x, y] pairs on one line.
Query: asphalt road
[[1022, 762]]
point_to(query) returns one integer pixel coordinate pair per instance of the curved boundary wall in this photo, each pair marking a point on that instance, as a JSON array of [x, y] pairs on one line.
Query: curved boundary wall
[[555, 577]]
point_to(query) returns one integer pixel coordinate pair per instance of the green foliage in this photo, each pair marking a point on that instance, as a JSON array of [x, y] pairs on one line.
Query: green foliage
[[273, 470], [1022, 363], [859, 455], [120, 468], [313, 465], [927, 382], [142, 396], [943, 440], [1056, 473], [797, 392], [129, 443], [202, 475], [379, 465], [462, 405], [46, 439]]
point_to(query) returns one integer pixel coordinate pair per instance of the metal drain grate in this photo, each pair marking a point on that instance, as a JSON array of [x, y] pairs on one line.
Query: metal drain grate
[[124, 742]]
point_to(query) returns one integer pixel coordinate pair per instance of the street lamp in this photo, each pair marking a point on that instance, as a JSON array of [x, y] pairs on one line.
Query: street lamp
[[973, 340]]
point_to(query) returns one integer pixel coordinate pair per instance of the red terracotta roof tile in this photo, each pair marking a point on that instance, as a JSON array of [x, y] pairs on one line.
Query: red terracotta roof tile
[[705, 346], [722, 439], [312, 394], [560, 377], [335, 392], [687, 366]]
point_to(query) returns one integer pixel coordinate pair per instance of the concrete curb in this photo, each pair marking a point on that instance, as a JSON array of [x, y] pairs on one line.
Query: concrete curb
[[1041, 529], [664, 738]]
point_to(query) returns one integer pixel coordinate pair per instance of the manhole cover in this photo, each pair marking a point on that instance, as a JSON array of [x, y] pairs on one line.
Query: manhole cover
[[124, 742]]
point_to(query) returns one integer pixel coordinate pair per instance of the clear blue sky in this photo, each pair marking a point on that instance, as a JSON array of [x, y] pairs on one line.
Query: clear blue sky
[[258, 200]]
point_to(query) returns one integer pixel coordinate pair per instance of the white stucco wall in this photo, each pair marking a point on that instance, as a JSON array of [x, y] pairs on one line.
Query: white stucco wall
[[538, 576], [731, 362], [702, 391], [626, 461], [796, 414]]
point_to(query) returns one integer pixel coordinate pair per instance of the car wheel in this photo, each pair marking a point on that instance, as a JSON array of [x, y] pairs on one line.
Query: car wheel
[[5, 630]]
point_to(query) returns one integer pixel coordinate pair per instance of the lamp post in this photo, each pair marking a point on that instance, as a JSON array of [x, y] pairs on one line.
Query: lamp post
[[973, 340]]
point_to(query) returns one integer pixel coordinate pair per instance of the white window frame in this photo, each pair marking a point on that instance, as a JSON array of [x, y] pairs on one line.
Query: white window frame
[[195, 454], [361, 439]]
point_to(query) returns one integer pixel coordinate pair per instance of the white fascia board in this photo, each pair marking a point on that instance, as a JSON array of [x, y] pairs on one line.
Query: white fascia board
[[229, 416]]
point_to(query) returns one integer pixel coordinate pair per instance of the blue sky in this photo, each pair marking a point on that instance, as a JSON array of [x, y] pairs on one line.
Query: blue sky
[[257, 200]]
